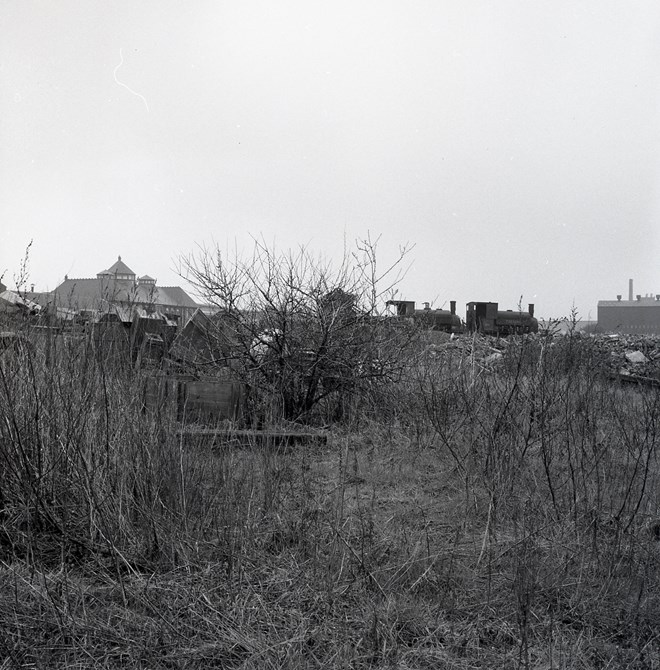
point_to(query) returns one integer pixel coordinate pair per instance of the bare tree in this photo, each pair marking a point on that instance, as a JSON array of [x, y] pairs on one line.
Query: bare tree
[[302, 332]]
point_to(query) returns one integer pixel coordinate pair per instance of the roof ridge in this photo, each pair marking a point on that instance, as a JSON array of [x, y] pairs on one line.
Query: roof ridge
[[80, 279]]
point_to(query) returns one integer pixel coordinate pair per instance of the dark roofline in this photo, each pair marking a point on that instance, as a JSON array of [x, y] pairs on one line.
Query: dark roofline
[[642, 302]]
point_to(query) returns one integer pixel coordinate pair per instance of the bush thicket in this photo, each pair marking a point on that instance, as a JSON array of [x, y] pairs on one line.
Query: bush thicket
[[476, 512]]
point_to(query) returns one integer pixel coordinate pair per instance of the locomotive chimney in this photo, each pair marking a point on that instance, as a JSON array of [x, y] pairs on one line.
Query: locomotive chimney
[[531, 309], [630, 290], [452, 306]]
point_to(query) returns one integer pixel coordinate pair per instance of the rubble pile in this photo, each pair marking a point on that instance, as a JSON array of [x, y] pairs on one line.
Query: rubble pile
[[632, 356], [626, 357]]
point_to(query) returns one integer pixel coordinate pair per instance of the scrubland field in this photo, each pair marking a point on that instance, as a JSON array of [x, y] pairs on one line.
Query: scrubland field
[[494, 506]]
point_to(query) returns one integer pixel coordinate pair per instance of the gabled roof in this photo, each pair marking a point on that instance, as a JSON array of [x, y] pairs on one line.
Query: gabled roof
[[92, 293], [176, 296], [118, 268], [201, 342], [14, 300], [98, 293], [163, 295], [43, 298]]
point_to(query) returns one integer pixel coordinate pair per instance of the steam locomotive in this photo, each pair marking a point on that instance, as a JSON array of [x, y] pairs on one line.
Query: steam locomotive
[[482, 317], [485, 317], [435, 319]]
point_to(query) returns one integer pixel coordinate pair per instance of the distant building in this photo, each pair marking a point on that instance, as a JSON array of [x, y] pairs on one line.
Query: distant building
[[118, 290], [638, 315]]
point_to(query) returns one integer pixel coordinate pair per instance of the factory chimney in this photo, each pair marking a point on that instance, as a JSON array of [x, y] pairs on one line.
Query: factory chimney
[[630, 290]]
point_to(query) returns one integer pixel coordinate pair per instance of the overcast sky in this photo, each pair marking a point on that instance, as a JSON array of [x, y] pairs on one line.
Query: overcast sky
[[515, 143]]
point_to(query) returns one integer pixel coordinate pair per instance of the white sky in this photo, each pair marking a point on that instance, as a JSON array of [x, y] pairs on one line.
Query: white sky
[[516, 144]]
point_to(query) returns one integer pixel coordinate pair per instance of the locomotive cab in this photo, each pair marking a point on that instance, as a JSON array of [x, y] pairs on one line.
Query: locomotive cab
[[403, 307], [481, 316]]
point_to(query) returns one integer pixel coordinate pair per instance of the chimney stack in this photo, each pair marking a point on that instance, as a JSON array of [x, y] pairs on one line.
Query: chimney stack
[[531, 309], [630, 290], [452, 306]]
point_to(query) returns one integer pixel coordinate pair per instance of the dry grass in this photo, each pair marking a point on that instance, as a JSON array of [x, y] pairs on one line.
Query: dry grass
[[479, 519]]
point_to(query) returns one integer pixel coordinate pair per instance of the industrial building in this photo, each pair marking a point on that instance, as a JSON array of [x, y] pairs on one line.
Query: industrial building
[[639, 315], [120, 291]]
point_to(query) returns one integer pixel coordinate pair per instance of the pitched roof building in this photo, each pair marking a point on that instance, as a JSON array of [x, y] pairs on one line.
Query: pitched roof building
[[118, 288]]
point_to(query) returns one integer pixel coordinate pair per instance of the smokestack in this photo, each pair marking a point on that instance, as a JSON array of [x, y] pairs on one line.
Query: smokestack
[[452, 306], [630, 290], [531, 309]]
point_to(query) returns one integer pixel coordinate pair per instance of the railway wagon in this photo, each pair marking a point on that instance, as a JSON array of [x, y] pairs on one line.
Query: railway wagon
[[487, 318]]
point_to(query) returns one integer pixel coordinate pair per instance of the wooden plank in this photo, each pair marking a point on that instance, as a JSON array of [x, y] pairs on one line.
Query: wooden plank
[[223, 438], [627, 378]]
